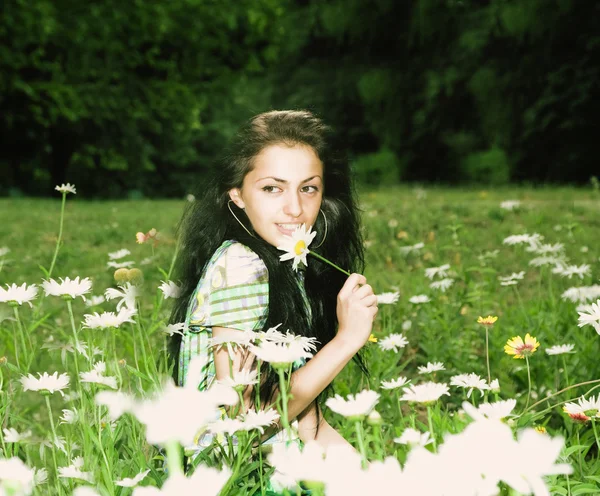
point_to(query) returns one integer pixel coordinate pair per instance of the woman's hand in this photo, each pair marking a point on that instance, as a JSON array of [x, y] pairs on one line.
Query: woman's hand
[[356, 310]]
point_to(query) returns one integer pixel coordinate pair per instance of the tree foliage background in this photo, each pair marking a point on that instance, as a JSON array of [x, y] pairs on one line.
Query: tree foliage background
[[139, 97]]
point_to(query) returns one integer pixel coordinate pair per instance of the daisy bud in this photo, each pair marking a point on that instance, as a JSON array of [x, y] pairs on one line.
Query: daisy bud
[[121, 276], [3, 360], [374, 418], [135, 276], [122, 363]]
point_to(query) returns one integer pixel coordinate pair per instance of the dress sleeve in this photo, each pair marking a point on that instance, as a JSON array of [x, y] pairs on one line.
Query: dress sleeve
[[234, 292]]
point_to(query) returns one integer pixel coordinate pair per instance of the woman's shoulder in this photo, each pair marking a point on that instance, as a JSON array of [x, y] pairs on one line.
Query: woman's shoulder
[[234, 263]]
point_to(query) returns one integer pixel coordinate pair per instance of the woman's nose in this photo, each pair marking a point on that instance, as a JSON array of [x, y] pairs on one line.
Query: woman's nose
[[293, 205]]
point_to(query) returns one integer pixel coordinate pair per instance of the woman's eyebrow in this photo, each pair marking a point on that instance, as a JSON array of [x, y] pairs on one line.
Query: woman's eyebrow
[[284, 181]]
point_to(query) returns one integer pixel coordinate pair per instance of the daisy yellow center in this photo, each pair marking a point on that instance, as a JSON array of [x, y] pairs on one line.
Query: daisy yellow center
[[300, 247]]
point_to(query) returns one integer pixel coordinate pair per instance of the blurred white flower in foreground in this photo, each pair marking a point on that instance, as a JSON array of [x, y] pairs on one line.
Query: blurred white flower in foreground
[[240, 379], [109, 319], [355, 406], [127, 295], [592, 317], [510, 204], [280, 354], [115, 255], [170, 289], [392, 342], [204, 481], [68, 287], [413, 437], [431, 367], [19, 294], [440, 271], [66, 188], [419, 299], [117, 403], [388, 298], [260, 420], [560, 349], [133, 481], [425, 393], [16, 478], [45, 382]]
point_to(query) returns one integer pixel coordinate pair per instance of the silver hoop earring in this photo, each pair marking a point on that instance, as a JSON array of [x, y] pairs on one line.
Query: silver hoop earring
[[325, 235], [236, 218]]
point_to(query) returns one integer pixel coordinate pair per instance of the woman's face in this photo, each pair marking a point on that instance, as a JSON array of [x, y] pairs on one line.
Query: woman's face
[[282, 191]]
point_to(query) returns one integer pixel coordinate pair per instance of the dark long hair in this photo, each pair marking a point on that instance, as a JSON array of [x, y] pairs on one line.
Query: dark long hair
[[207, 222]]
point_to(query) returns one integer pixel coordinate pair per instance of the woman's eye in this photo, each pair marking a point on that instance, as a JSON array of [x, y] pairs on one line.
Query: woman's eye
[[310, 189], [270, 189]]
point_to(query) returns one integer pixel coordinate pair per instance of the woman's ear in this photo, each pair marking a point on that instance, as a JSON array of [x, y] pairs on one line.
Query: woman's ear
[[236, 195]]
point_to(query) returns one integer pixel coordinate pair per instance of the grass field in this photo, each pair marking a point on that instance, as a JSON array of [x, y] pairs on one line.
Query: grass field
[[462, 228]]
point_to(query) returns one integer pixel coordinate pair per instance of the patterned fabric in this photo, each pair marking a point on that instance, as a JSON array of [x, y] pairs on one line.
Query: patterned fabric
[[233, 292]]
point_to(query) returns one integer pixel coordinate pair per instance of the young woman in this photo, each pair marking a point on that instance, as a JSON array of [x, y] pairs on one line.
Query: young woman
[[280, 172]]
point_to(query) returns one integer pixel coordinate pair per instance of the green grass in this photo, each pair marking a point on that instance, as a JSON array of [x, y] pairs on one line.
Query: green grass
[[456, 226]]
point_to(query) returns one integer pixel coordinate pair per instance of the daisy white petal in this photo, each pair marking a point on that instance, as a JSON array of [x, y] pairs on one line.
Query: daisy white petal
[[68, 287], [115, 255], [66, 188], [388, 298], [260, 420], [392, 342], [413, 437], [134, 481], [296, 246], [431, 367], [12, 436], [592, 317], [560, 349], [440, 271], [127, 295], [19, 294], [497, 410], [395, 383], [419, 299], [170, 289], [355, 406], [45, 382], [425, 393]]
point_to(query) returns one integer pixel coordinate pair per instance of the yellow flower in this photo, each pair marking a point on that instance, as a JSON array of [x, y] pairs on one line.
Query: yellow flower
[[519, 348], [487, 321], [541, 429], [372, 339]]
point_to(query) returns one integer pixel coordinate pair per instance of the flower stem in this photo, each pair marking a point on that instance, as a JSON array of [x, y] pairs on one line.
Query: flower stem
[[361, 443], [564, 362], [70, 307], [595, 381], [22, 334], [174, 461], [528, 381], [60, 230], [596, 433], [323, 259], [54, 441], [284, 402], [430, 422], [487, 354]]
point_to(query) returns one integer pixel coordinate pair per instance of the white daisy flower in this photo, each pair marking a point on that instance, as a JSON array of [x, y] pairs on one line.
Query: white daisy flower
[[94, 301], [405, 250], [40, 476], [226, 425], [115, 255], [395, 383], [117, 403], [18, 294], [547, 260], [355, 406], [582, 294], [132, 482], [406, 325], [240, 379], [431, 368], [591, 318], [96, 376], [546, 248], [560, 349], [12, 436], [296, 246], [518, 239], [510, 204], [413, 437], [584, 409], [470, 382], [66, 188], [512, 279], [440, 271], [388, 298], [497, 410], [178, 328], [109, 319], [69, 416], [74, 471], [119, 265], [392, 342], [442, 284], [572, 270], [419, 299], [170, 289], [260, 420], [425, 393], [45, 382], [127, 295], [494, 386], [15, 477], [72, 288], [280, 355]]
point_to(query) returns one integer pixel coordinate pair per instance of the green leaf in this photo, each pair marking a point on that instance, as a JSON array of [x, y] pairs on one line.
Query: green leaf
[[585, 489]]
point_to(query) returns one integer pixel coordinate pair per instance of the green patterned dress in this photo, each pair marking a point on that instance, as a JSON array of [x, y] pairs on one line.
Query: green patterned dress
[[233, 292]]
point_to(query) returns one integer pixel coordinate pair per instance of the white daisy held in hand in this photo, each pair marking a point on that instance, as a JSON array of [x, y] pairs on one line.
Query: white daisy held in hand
[[68, 287], [66, 188], [296, 247], [14, 294], [45, 383]]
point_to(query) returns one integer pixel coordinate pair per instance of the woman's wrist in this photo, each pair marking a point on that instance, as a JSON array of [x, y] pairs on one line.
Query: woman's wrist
[[348, 344]]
